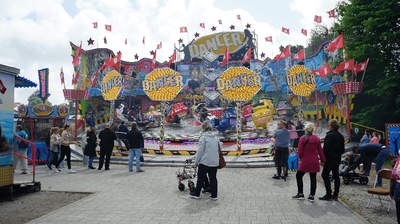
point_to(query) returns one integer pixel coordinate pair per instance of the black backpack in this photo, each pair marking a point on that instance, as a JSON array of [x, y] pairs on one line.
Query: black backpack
[[22, 144]]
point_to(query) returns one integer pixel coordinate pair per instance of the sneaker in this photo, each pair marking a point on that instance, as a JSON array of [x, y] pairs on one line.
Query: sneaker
[[213, 198], [107, 169], [192, 195], [138, 171], [325, 198], [91, 167], [276, 177], [50, 167], [24, 172], [56, 170], [130, 170], [298, 196], [283, 177], [99, 168], [71, 171], [311, 198], [335, 198]]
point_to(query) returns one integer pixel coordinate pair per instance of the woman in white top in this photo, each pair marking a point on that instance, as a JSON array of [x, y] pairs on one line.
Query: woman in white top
[[66, 140], [55, 141]]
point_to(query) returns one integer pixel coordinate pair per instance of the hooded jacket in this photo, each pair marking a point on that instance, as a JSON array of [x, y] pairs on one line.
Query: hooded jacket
[[333, 145], [208, 151], [308, 153], [23, 135]]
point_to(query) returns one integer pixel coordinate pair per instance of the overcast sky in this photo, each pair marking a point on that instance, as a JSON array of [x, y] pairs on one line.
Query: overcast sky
[[35, 34]]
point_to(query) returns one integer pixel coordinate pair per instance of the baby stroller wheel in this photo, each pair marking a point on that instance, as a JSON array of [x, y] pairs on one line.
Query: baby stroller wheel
[[346, 180], [364, 180], [181, 187], [191, 186]]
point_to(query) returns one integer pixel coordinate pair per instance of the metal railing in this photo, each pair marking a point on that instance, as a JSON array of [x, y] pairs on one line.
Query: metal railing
[[33, 149]]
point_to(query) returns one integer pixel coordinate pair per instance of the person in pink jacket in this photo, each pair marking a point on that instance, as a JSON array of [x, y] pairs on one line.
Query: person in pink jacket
[[374, 138], [308, 151]]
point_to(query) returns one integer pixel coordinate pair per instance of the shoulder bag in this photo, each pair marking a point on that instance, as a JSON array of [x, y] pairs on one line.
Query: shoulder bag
[[222, 162]]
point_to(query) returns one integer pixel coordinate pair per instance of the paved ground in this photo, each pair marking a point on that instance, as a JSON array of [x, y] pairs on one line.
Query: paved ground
[[245, 196]]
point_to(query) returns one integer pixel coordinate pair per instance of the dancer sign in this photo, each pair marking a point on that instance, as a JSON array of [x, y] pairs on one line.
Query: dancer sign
[[300, 80], [111, 85], [163, 84]]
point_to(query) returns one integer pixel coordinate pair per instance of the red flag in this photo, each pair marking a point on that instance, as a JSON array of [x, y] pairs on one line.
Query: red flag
[[116, 60], [173, 58], [238, 17], [75, 61], [304, 31], [73, 78], [318, 19], [202, 25], [220, 21], [153, 62], [106, 63], [126, 41], [284, 54], [94, 78], [143, 39], [247, 56], [285, 30], [268, 39], [183, 29], [335, 44], [108, 28], [345, 65], [227, 56], [159, 46], [331, 13], [62, 76], [323, 71], [362, 66], [95, 25], [299, 56]]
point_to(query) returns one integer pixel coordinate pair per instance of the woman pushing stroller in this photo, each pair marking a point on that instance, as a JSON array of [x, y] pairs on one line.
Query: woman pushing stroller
[[207, 160]]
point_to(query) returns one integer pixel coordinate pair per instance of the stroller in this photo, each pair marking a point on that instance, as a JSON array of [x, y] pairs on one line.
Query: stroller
[[350, 161], [188, 172]]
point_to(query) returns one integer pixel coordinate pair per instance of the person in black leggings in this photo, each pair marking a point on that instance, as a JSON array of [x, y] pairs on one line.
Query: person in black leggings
[[66, 140]]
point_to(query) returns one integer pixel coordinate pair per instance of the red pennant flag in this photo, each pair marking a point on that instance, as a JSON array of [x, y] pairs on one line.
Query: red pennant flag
[[304, 31], [335, 44], [317, 19], [285, 30], [202, 25], [324, 71], [73, 79], [247, 56], [115, 61], [220, 21], [331, 13], [3, 89], [153, 62], [227, 56], [268, 39], [94, 78], [238, 17], [126, 41], [106, 63], [183, 29], [108, 28], [345, 65], [62, 76], [143, 40], [173, 58], [362, 66], [95, 25], [159, 46], [299, 56], [75, 62], [284, 54]]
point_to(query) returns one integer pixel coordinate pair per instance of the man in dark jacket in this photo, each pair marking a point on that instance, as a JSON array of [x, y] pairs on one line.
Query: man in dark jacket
[[333, 149], [122, 131], [136, 144], [107, 137]]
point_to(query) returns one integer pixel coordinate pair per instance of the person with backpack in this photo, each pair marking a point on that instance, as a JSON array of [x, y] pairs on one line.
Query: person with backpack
[[22, 149]]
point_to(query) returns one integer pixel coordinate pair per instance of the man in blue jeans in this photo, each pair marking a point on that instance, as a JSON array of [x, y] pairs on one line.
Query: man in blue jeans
[[370, 151], [136, 143]]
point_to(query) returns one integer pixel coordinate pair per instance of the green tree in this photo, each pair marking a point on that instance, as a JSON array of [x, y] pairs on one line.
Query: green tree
[[35, 100], [374, 29]]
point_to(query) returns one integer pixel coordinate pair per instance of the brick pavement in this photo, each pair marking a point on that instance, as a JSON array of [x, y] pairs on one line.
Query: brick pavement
[[245, 196]]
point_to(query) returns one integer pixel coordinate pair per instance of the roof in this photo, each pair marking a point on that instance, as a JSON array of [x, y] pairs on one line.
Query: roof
[[19, 80]]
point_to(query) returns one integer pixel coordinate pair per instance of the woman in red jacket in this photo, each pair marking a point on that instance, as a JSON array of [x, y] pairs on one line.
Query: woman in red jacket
[[308, 151]]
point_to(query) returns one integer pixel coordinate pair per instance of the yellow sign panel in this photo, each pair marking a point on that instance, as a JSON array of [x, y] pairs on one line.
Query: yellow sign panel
[[42, 110], [111, 86], [63, 111], [163, 84], [300, 80], [217, 43], [239, 83]]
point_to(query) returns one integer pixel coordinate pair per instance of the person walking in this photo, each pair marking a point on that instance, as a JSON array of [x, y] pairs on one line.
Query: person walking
[[90, 149], [135, 145], [122, 131], [107, 138], [369, 152], [55, 141], [84, 143], [333, 150], [207, 161], [49, 154], [22, 149], [308, 151], [282, 137], [66, 140]]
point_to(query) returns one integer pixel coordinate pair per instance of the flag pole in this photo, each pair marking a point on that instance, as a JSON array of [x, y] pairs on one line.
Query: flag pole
[[97, 22], [362, 79]]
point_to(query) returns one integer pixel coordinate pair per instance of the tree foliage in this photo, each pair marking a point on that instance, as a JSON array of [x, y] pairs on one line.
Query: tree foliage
[[35, 100], [373, 26]]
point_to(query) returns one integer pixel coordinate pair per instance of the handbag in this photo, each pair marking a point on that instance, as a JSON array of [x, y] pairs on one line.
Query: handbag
[[141, 159], [222, 162]]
